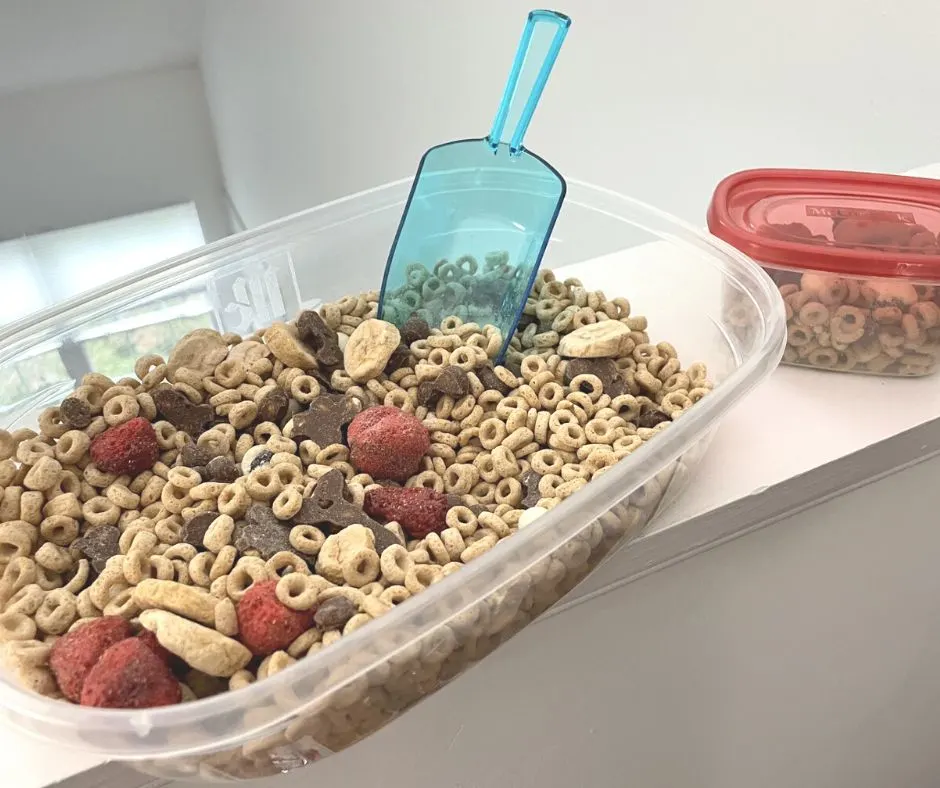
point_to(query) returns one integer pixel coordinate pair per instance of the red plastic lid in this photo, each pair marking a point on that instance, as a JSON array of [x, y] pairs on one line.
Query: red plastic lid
[[850, 223]]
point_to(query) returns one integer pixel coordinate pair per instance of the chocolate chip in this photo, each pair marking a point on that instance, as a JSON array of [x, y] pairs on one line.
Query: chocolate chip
[[329, 511], [194, 530], [263, 532], [401, 357], [530, 482], [603, 368], [173, 406], [75, 412], [651, 418], [193, 456], [222, 469], [334, 613], [456, 500], [490, 380], [413, 329], [452, 382], [98, 545], [319, 336], [273, 406], [324, 421]]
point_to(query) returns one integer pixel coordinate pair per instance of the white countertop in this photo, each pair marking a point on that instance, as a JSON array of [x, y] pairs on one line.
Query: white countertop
[[816, 434]]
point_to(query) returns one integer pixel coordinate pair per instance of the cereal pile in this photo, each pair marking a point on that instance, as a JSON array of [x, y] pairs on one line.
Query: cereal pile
[[249, 501], [882, 326]]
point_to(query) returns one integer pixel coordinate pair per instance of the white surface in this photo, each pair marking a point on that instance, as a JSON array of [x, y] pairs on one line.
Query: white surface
[[48, 42], [89, 151], [658, 100]]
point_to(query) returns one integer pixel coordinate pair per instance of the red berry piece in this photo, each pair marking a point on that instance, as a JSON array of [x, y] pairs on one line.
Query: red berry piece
[[127, 448], [387, 443], [130, 676], [150, 640], [418, 510], [76, 653], [265, 624]]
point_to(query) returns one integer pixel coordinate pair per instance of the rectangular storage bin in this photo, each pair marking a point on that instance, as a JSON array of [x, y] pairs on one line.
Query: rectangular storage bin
[[672, 273], [856, 257]]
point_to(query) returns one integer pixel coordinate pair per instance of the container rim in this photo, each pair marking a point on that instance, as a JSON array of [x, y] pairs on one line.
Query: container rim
[[748, 186], [526, 548]]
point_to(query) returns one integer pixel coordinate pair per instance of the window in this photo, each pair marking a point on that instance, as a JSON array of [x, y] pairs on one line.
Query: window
[[42, 270]]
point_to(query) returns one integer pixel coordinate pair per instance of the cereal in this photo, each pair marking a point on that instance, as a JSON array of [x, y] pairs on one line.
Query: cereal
[[289, 502]]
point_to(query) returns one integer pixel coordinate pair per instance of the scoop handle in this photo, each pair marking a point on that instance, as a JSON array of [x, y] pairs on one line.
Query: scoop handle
[[541, 40]]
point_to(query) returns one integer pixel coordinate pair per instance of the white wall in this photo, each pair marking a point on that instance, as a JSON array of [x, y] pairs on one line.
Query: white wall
[[95, 150], [313, 100]]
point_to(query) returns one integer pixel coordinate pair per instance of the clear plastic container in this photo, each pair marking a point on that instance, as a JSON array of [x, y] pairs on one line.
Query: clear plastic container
[[856, 257], [334, 698]]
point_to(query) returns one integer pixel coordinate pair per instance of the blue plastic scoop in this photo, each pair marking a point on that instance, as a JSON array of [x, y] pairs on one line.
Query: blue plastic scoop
[[481, 211]]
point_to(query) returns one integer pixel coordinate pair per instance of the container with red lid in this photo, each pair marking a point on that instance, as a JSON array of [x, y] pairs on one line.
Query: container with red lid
[[856, 257]]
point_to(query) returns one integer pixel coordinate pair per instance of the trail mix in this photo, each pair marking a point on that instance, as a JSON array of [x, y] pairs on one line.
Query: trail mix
[[249, 501], [881, 326]]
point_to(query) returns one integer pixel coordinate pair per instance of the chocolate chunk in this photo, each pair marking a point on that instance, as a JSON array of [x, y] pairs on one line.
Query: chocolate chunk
[[651, 418], [401, 357], [194, 530], [603, 368], [319, 336], [329, 511], [75, 413], [334, 613], [452, 382], [98, 545], [273, 406], [193, 456], [263, 532], [490, 380], [456, 500], [173, 406], [324, 421], [530, 483], [222, 469], [413, 329]]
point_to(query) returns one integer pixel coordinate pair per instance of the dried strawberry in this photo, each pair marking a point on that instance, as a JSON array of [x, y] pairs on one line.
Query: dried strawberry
[[418, 510], [265, 624], [76, 653], [129, 675], [127, 448], [387, 443]]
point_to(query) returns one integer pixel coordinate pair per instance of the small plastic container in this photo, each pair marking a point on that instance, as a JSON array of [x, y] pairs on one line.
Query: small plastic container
[[332, 699], [856, 257]]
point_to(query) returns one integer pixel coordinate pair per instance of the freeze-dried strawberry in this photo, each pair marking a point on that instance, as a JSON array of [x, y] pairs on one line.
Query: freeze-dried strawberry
[[387, 443], [75, 653], [129, 675], [128, 448], [418, 510], [265, 624]]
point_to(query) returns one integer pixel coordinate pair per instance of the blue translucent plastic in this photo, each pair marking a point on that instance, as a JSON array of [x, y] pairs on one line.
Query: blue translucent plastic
[[481, 211]]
